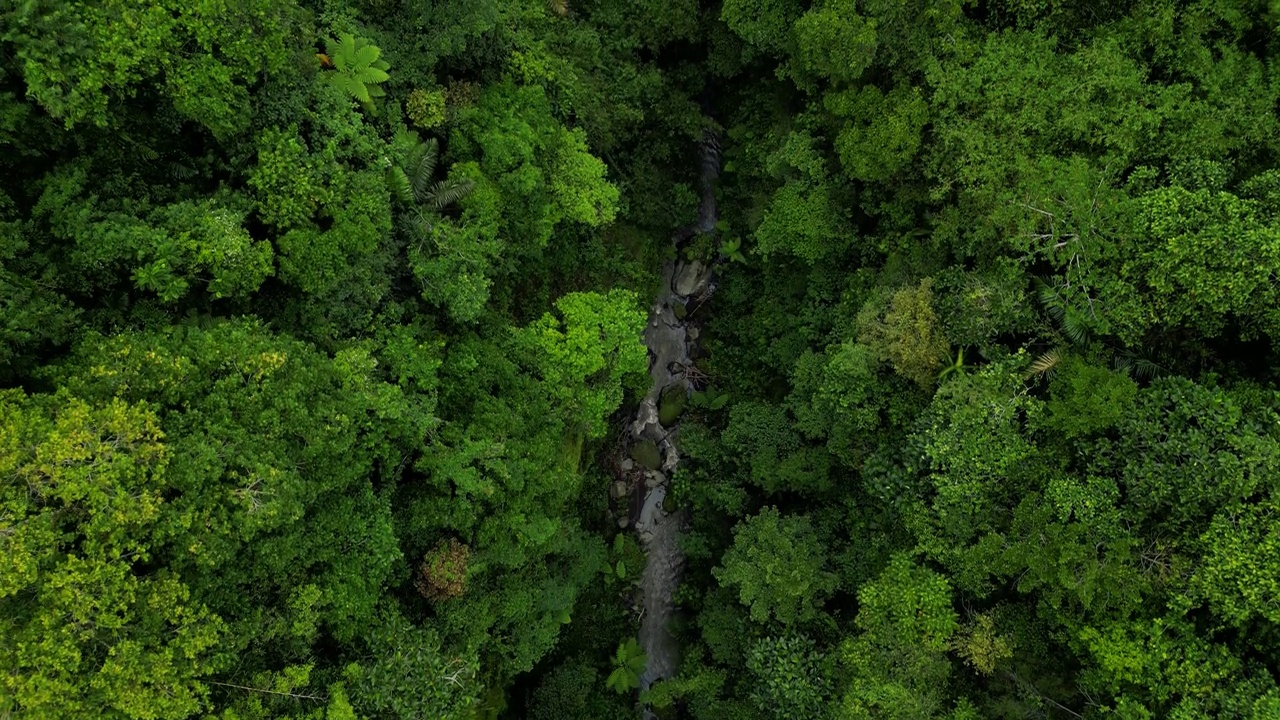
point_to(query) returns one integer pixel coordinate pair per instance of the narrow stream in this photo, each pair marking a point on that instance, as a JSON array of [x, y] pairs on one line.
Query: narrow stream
[[653, 455]]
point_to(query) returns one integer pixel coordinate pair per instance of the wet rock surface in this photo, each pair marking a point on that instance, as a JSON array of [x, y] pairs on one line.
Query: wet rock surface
[[669, 335]]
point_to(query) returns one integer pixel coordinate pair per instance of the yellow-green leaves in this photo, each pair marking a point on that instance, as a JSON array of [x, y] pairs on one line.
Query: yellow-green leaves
[[584, 359], [98, 469], [1209, 257], [88, 630], [896, 667], [906, 332], [77, 57]]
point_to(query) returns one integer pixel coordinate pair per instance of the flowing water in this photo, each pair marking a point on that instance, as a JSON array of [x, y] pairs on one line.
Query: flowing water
[[669, 339]]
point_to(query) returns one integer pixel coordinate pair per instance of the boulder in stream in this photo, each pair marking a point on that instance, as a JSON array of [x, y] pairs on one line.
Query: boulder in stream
[[651, 512], [691, 277]]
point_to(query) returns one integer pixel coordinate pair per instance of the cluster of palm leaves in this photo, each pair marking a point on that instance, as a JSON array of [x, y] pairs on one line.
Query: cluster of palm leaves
[[413, 183]]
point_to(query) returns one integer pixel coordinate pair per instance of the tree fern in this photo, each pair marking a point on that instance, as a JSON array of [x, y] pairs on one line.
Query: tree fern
[[357, 68], [628, 663]]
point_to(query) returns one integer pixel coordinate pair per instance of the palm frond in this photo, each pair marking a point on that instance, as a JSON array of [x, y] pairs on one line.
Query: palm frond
[[1141, 367], [423, 166], [1046, 364], [448, 192], [399, 184], [1050, 298], [1074, 326], [180, 171]]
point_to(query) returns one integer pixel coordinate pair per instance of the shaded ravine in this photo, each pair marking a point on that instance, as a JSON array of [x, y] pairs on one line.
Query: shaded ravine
[[670, 338]]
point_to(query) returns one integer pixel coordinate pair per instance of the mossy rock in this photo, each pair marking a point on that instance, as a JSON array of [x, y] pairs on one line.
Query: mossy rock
[[646, 453], [668, 503], [679, 310], [671, 405]]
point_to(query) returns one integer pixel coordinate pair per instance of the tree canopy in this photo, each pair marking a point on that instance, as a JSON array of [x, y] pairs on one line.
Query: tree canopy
[[323, 324]]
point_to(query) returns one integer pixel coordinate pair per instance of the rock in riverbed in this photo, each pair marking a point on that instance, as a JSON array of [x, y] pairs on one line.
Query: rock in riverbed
[[691, 277]]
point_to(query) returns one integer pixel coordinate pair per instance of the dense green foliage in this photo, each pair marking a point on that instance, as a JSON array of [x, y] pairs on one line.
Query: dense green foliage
[[319, 320]]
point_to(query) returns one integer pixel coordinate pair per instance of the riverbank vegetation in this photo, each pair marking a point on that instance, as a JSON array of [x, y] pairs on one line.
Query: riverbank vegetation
[[320, 321]]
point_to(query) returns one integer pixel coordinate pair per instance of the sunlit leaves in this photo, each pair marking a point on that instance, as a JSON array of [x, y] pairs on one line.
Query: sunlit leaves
[[82, 500], [359, 71], [584, 359]]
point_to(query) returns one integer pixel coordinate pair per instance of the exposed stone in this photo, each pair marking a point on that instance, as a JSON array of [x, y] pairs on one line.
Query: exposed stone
[[646, 424], [654, 478], [622, 521], [670, 457], [618, 489], [690, 278], [652, 510], [628, 464], [667, 344]]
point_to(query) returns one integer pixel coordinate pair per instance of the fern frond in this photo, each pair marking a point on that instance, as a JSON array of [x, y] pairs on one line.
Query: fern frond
[[350, 85], [342, 51], [359, 90], [448, 192], [373, 75], [366, 55]]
